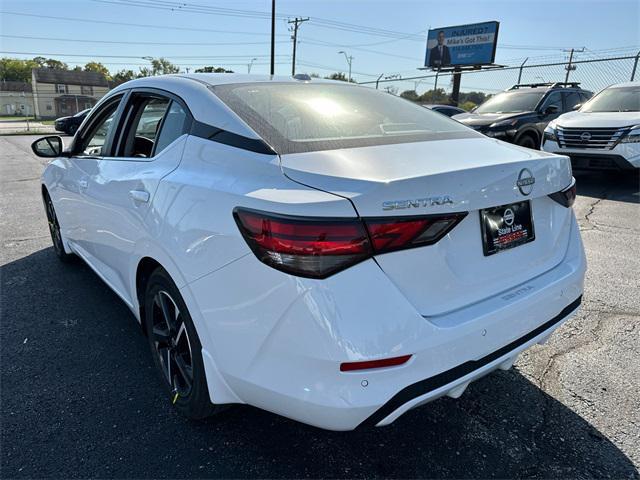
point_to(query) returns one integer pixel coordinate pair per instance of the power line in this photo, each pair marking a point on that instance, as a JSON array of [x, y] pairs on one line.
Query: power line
[[119, 42], [139, 25], [136, 56]]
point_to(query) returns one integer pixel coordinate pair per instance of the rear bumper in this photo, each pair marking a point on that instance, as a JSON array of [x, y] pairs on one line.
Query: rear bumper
[[276, 342], [454, 381]]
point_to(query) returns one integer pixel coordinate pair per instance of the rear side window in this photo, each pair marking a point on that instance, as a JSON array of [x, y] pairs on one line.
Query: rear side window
[[152, 122], [172, 127], [309, 117], [571, 99]]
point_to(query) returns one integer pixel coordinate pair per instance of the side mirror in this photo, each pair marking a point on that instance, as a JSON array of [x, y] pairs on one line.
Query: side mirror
[[551, 109], [48, 147], [577, 106]]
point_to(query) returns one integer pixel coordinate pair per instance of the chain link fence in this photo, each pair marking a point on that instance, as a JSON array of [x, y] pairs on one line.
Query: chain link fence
[[593, 74]]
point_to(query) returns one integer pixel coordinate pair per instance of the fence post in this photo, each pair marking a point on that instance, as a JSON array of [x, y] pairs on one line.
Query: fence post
[[378, 80], [635, 65], [520, 72]]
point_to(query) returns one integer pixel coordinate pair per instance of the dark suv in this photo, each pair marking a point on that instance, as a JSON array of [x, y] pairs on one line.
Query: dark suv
[[520, 114], [70, 124]]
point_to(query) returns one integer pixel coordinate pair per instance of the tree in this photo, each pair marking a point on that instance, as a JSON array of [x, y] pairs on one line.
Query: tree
[[98, 68], [468, 105], [434, 96], [123, 76], [213, 70], [410, 95], [55, 64], [339, 76], [15, 70], [162, 66]]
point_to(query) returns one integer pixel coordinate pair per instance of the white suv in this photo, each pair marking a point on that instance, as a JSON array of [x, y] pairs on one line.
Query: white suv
[[604, 134]]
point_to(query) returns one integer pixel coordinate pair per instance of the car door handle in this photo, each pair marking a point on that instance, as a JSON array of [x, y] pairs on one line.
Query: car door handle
[[141, 196]]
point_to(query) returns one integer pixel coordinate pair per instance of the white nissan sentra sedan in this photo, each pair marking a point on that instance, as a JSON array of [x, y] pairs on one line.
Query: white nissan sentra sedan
[[324, 251]]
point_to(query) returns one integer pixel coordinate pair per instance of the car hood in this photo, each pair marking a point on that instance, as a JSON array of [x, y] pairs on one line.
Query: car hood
[[598, 119], [472, 119]]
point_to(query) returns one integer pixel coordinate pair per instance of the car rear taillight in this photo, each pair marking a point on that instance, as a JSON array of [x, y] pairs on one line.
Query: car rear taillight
[[389, 234], [566, 197], [318, 247]]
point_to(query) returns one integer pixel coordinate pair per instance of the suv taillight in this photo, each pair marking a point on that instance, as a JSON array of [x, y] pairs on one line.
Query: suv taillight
[[318, 247]]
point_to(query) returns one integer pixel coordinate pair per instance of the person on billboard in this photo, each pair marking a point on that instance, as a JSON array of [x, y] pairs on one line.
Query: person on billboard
[[440, 55]]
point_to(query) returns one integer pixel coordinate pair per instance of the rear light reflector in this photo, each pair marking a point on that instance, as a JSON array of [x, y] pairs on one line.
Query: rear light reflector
[[318, 247], [566, 197], [369, 364]]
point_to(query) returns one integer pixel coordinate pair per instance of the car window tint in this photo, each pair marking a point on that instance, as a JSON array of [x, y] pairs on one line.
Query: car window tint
[[324, 116], [172, 127], [145, 119], [96, 140], [571, 99], [554, 99]]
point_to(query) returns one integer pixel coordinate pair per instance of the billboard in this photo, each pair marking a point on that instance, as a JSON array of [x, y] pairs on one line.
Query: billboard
[[473, 44]]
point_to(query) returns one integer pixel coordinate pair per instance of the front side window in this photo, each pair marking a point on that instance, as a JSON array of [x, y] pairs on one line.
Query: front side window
[[513, 101], [309, 117], [625, 99], [95, 141]]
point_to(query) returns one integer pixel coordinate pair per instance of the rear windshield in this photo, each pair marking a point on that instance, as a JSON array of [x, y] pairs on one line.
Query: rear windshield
[[308, 117], [511, 102], [625, 99]]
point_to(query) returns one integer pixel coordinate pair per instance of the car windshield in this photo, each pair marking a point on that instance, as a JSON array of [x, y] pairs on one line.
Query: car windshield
[[515, 101], [626, 99], [309, 117]]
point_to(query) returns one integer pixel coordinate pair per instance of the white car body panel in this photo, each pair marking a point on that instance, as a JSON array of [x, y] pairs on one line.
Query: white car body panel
[[275, 340]]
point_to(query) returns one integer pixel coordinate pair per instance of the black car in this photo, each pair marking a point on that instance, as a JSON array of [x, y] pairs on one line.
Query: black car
[[520, 114], [70, 124], [448, 110]]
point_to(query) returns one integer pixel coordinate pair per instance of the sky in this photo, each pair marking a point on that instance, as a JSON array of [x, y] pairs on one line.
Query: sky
[[384, 37]]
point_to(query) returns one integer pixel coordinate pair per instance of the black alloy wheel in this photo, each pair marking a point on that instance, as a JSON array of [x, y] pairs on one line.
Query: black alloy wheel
[[54, 230], [176, 348]]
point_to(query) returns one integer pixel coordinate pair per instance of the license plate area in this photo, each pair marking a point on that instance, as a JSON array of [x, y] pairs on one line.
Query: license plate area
[[506, 227]]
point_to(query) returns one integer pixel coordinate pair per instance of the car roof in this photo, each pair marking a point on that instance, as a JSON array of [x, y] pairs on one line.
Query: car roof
[[625, 85]]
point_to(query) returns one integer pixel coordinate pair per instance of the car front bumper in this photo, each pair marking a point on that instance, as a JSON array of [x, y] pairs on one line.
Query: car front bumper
[[624, 156], [276, 341]]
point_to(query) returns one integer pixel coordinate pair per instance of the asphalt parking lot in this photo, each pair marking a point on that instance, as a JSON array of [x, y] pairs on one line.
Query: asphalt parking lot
[[79, 397]]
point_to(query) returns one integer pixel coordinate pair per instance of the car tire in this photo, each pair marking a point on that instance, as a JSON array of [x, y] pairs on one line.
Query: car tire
[[72, 129], [527, 141], [176, 348], [54, 230]]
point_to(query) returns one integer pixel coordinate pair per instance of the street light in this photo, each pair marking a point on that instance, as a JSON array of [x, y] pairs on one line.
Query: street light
[[249, 65], [349, 61]]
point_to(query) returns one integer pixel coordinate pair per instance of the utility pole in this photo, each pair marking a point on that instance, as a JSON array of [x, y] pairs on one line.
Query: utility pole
[[570, 66], [296, 24], [273, 37], [349, 61]]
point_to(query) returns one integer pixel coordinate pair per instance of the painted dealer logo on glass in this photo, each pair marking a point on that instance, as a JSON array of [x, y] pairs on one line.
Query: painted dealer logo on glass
[[525, 181]]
